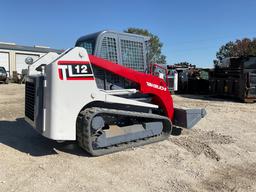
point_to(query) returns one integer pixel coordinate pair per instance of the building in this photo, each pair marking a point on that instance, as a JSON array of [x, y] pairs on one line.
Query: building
[[13, 56]]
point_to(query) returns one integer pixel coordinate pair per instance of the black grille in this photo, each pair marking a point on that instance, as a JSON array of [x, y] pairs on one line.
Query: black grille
[[30, 100]]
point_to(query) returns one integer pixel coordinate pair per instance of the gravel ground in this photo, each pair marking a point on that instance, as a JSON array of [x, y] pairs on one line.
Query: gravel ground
[[218, 154]]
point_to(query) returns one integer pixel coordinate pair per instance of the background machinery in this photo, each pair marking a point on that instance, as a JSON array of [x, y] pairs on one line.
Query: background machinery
[[170, 76], [191, 80], [103, 105], [235, 77]]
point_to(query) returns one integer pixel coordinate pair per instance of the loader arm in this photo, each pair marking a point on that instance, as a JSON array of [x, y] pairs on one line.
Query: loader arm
[[148, 84]]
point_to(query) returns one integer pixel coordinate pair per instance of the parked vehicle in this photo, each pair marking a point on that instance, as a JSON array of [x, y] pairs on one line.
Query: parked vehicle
[[3, 75]]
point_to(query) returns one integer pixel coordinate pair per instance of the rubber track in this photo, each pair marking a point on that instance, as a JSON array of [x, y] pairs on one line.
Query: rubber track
[[84, 130]]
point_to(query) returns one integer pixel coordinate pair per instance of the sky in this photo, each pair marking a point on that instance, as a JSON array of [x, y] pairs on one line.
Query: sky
[[191, 30]]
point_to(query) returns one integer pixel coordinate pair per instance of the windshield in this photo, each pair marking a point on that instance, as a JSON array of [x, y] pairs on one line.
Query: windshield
[[88, 44]]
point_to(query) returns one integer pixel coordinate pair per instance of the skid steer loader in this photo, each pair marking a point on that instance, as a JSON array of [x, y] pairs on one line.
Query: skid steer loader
[[105, 106]]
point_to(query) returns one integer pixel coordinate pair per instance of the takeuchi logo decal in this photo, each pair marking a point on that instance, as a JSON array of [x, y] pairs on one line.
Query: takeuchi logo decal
[[156, 86], [75, 71]]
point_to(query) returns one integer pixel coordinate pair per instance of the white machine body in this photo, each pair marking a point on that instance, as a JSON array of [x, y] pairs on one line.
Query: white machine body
[[60, 90]]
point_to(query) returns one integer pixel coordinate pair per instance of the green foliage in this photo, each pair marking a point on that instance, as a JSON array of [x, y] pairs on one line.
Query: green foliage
[[239, 48], [155, 54], [184, 64], [225, 51]]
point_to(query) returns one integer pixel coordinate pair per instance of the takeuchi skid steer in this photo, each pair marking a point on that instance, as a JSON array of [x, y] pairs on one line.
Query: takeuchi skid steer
[[76, 96], [103, 105]]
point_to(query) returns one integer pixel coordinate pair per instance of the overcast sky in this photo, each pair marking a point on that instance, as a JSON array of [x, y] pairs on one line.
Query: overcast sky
[[191, 30]]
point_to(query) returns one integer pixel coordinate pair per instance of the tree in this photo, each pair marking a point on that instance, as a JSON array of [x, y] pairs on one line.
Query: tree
[[184, 64], [155, 53], [239, 48], [226, 51]]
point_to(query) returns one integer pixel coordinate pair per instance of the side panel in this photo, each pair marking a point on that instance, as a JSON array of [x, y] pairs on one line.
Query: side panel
[[65, 98]]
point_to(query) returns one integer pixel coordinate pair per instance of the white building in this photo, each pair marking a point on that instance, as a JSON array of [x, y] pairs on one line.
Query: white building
[[13, 56]]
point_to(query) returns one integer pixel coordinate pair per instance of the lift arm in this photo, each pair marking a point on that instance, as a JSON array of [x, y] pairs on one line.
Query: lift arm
[[148, 84]]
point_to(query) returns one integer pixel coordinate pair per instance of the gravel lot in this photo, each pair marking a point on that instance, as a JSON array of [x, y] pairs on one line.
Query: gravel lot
[[218, 154]]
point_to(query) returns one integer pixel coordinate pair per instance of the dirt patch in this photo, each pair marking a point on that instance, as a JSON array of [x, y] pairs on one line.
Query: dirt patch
[[30, 162], [198, 142], [232, 178]]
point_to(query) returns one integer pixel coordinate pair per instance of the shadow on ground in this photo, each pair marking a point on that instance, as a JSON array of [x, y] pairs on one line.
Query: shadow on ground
[[176, 131], [22, 137]]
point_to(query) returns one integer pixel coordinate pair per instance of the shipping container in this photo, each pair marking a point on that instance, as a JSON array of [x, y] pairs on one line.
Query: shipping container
[[236, 78]]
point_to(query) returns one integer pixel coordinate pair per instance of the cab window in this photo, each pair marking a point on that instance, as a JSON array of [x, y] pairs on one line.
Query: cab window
[[89, 45]]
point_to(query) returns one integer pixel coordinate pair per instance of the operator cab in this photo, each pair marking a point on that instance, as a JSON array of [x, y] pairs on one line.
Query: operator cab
[[129, 50]]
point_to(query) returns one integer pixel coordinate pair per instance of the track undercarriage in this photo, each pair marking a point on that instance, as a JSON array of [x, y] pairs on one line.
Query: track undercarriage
[[101, 131]]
